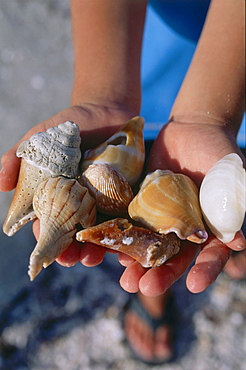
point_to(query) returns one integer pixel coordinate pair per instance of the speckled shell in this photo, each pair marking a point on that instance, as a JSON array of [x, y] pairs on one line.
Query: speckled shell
[[21, 209], [148, 248], [60, 204], [124, 151], [56, 150], [168, 202], [222, 197], [111, 191]]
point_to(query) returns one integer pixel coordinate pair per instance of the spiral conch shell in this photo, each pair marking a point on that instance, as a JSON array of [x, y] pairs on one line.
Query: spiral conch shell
[[124, 151], [222, 197], [111, 191], [168, 202], [60, 204], [148, 248], [54, 152]]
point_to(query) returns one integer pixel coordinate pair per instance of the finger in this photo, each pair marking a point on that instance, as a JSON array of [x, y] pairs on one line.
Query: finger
[[9, 171], [157, 280], [238, 243], [36, 228], [91, 254], [124, 259], [70, 256], [208, 265], [129, 280]]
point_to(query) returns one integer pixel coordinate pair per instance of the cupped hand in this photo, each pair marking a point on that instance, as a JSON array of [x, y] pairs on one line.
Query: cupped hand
[[191, 149], [97, 123]]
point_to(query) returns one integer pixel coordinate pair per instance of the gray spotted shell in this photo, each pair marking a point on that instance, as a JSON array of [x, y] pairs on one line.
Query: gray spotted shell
[[56, 150]]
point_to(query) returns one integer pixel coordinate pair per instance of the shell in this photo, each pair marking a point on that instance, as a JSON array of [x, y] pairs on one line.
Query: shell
[[21, 209], [222, 197], [124, 151], [111, 191], [56, 150], [168, 202], [148, 248], [60, 204]]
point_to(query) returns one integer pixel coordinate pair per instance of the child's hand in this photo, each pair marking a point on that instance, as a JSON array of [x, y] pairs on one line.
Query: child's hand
[[190, 149]]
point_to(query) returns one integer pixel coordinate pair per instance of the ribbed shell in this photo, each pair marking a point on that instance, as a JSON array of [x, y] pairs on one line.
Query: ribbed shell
[[124, 151], [21, 209], [60, 204], [111, 191], [168, 202], [222, 197], [148, 248], [56, 150]]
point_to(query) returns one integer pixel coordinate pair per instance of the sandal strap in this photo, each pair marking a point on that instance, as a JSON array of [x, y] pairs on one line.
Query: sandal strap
[[168, 317]]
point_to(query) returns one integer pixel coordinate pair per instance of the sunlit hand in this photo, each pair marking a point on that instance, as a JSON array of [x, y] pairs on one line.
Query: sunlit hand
[[190, 149]]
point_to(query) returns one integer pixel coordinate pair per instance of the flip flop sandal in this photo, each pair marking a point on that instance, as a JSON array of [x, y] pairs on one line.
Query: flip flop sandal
[[168, 318]]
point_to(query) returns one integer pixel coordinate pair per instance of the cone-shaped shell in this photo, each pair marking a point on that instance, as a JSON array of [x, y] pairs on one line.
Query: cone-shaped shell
[[60, 204], [168, 202], [124, 151], [148, 248], [111, 191], [222, 197], [56, 150], [21, 209]]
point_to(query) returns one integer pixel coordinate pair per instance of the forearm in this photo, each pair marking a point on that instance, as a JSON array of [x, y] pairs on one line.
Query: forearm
[[213, 90], [107, 37]]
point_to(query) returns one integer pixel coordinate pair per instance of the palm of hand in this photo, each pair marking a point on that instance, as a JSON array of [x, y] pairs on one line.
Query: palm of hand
[[190, 149], [184, 148]]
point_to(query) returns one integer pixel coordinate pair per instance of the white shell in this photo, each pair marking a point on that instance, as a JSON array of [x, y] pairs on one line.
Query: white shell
[[56, 150], [222, 197]]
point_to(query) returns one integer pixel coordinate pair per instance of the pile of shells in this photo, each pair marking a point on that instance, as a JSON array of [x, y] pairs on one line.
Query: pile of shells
[[62, 190]]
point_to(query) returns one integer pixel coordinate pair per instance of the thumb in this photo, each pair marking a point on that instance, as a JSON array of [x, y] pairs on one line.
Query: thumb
[[10, 170]]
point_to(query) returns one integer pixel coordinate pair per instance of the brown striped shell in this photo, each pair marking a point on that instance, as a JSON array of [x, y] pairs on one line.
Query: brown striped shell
[[124, 151], [109, 188], [168, 202]]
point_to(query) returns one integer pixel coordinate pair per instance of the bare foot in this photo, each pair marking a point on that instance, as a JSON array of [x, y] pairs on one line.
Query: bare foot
[[149, 343]]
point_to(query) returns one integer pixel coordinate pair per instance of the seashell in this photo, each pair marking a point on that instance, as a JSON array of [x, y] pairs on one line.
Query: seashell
[[60, 204], [222, 197], [56, 150], [148, 248], [51, 153], [111, 191], [21, 209], [124, 151], [168, 202]]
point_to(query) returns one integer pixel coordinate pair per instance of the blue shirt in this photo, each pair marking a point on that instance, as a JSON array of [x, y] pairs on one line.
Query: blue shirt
[[171, 33]]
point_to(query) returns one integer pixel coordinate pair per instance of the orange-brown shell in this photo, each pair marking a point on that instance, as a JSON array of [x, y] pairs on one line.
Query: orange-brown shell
[[109, 188], [168, 202], [124, 151], [148, 248]]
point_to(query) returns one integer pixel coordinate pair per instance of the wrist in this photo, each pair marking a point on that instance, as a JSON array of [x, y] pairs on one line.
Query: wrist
[[106, 101], [209, 118]]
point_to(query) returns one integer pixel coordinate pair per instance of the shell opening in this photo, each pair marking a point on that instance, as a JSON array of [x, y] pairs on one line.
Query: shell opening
[[120, 140]]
